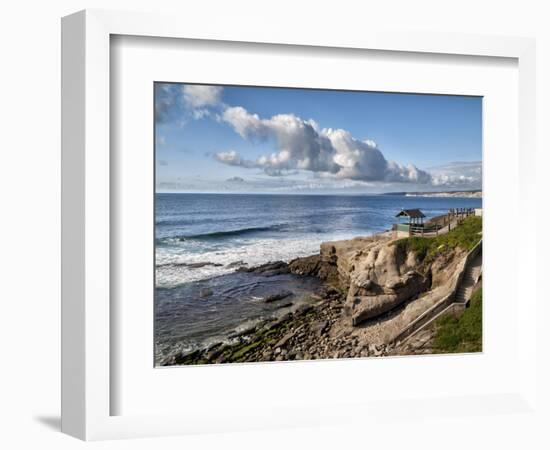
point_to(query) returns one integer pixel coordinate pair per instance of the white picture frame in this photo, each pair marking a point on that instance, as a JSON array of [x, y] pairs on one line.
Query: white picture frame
[[86, 246]]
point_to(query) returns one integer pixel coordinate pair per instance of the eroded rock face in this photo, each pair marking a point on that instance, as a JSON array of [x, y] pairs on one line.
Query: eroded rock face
[[377, 275], [377, 300], [444, 267]]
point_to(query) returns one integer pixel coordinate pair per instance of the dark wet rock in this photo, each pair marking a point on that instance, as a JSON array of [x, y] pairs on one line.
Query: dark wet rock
[[333, 292], [236, 264], [308, 265], [270, 268], [285, 305], [187, 357], [304, 309], [198, 265], [214, 351], [278, 296]]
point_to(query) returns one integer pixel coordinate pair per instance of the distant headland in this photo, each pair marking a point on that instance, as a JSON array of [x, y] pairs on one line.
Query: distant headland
[[447, 194]]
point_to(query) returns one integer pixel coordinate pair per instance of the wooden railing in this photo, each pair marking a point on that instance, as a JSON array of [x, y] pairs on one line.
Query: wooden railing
[[447, 222]]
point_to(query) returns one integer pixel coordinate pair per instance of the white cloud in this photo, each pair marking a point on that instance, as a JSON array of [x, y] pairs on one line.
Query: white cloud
[[458, 175], [200, 96], [301, 145], [232, 158], [200, 113]]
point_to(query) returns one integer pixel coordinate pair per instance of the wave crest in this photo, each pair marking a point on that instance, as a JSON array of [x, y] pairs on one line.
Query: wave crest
[[220, 234]]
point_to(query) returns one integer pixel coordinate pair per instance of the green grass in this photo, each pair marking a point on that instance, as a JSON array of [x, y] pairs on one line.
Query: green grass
[[465, 236], [462, 334]]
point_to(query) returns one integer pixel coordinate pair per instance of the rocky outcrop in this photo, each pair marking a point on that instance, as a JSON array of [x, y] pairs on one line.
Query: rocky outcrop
[[310, 265], [384, 298], [270, 268], [377, 275]]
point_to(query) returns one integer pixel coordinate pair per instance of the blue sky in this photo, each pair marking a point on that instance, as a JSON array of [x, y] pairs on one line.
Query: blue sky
[[255, 139]]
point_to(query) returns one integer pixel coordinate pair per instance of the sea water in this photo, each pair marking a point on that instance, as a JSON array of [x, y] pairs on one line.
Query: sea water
[[201, 239]]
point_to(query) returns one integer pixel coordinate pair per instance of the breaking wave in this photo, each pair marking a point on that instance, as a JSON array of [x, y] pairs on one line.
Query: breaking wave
[[221, 234]]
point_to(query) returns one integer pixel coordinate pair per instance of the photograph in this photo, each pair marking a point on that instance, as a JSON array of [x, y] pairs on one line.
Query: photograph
[[296, 224]]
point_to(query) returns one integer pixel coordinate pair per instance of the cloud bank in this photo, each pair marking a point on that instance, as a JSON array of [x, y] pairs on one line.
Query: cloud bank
[[328, 154], [463, 174], [302, 145]]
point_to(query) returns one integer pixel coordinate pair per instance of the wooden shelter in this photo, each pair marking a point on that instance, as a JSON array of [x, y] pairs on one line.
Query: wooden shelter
[[415, 217]]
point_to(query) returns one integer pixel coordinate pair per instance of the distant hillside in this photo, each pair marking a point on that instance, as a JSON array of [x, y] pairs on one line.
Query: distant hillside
[[461, 194]]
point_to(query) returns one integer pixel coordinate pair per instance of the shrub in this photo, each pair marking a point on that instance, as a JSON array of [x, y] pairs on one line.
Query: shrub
[[462, 334], [466, 236]]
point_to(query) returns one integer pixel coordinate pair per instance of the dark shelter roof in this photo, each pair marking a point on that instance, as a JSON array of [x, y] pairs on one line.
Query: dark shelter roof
[[412, 213]]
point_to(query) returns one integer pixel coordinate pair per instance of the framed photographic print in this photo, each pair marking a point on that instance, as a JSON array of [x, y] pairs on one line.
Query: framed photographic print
[[280, 235], [251, 219]]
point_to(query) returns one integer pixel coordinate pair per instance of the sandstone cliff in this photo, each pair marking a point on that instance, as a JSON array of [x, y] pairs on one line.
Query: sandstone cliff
[[376, 274]]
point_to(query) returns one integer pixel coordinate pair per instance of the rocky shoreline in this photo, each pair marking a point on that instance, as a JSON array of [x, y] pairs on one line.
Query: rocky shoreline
[[314, 330], [372, 287], [311, 332]]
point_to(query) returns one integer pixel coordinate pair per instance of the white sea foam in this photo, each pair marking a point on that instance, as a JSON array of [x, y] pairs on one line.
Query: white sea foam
[[172, 263]]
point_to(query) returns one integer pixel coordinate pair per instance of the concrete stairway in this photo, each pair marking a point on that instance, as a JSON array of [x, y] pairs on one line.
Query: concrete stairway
[[457, 302], [471, 275]]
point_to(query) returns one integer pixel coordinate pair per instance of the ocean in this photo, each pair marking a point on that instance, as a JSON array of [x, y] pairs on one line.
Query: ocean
[[201, 239]]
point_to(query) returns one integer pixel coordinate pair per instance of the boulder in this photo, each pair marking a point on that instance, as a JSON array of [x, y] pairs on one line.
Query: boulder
[[278, 296], [308, 265], [361, 307], [284, 340], [319, 327]]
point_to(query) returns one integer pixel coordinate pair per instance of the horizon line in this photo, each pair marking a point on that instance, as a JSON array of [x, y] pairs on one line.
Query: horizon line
[[318, 193]]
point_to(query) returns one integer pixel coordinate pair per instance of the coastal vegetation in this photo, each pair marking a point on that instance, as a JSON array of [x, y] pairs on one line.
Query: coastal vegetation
[[464, 236], [461, 334]]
